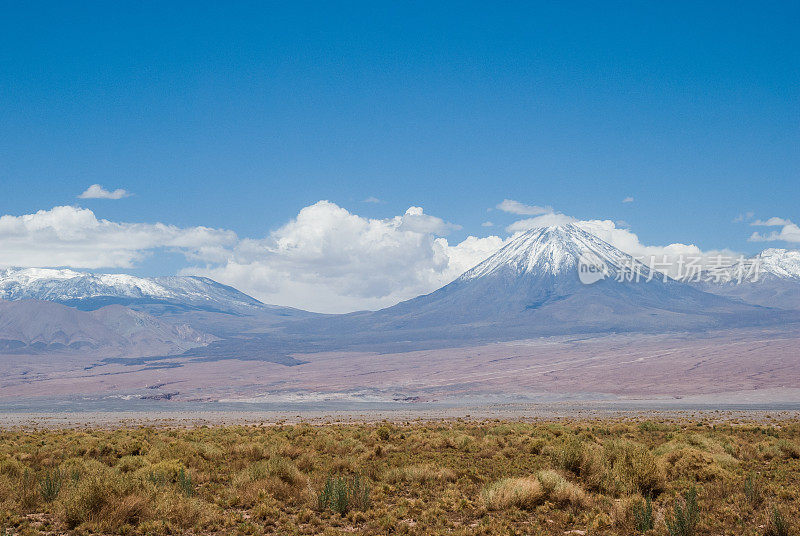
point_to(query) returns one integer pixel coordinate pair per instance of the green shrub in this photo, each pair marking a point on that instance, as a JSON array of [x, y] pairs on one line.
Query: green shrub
[[333, 495], [648, 426], [643, 515], [777, 525], [342, 494], [185, 483], [50, 485], [686, 516], [753, 490]]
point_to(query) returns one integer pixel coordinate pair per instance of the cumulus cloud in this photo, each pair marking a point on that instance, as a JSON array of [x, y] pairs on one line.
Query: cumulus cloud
[[629, 242], [330, 260], [521, 209], [95, 191], [789, 232], [72, 236], [665, 258], [628, 199], [416, 220]]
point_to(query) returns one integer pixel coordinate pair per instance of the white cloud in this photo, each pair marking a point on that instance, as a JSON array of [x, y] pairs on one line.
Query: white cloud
[[487, 224], [628, 199], [771, 222], [415, 220], [747, 216], [330, 260], [629, 242], [545, 220], [72, 236], [790, 232], [468, 253], [95, 191], [521, 209], [372, 199], [669, 255]]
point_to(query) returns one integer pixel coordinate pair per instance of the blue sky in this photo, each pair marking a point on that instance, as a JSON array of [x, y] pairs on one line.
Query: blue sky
[[236, 117]]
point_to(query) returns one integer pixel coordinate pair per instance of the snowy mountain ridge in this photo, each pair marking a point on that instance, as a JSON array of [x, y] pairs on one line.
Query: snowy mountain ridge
[[775, 280], [89, 289], [780, 263]]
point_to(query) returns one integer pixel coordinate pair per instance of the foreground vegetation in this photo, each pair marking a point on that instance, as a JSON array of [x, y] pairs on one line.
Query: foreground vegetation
[[601, 477]]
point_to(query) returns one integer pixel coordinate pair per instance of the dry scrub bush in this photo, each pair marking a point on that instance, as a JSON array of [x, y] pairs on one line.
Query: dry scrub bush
[[527, 492], [277, 477], [690, 461], [617, 467], [92, 498], [419, 474], [523, 493], [789, 449], [181, 511], [559, 490], [632, 468]]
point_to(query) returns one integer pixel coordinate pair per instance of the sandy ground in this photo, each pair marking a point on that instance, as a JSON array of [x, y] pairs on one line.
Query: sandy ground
[[753, 367], [588, 411]]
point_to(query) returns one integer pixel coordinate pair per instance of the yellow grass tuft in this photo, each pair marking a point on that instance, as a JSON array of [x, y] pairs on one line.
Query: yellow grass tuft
[[524, 493]]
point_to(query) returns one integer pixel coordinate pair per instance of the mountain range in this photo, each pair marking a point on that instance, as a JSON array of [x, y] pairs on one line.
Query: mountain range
[[37, 327], [776, 282], [88, 291], [529, 288]]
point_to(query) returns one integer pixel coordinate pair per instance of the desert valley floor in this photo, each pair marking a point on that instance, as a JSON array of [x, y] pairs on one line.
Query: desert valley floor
[[748, 366]]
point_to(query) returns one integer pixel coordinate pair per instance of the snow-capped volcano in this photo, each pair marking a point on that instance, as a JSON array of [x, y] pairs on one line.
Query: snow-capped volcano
[[539, 270], [531, 287], [558, 250], [90, 291]]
